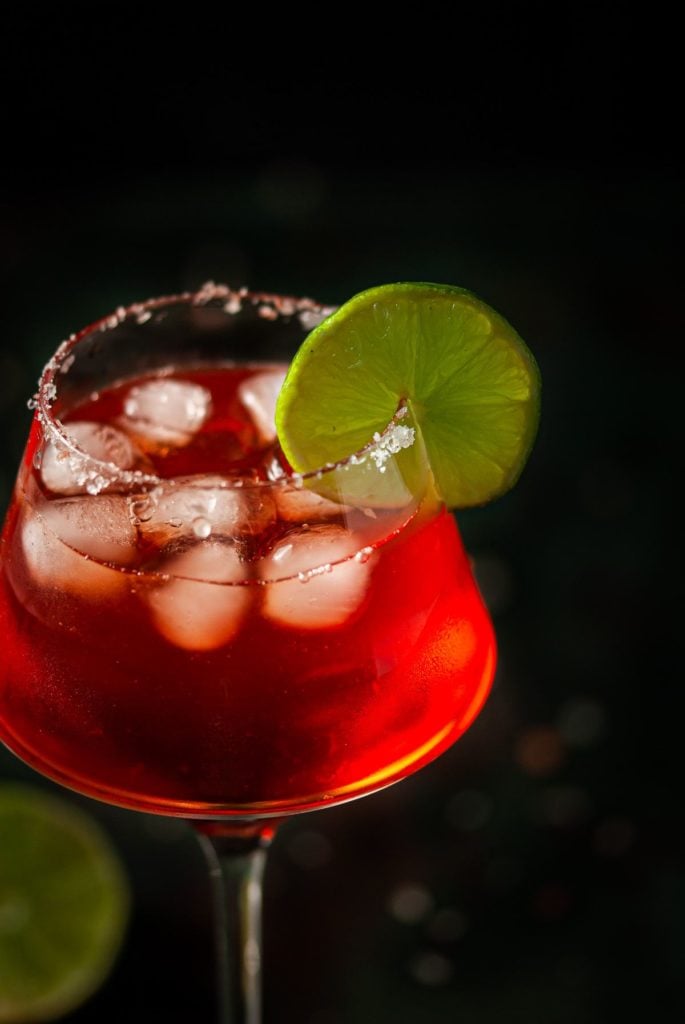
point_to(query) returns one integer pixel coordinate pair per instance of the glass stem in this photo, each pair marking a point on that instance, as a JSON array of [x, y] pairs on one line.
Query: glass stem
[[236, 855]]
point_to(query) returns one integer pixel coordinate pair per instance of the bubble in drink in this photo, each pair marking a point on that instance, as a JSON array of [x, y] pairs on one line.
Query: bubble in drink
[[166, 411], [65, 471], [199, 507], [55, 539], [202, 606], [320, 583], [258, 394]]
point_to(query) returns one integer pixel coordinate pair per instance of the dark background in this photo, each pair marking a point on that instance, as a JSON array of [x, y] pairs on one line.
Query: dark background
[[532, 874]]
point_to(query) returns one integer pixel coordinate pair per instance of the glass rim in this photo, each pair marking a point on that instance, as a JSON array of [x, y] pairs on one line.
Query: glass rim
[[269, 305]]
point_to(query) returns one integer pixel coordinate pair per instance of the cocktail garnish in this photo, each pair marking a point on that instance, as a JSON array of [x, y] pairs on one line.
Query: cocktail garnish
[[468, 383]]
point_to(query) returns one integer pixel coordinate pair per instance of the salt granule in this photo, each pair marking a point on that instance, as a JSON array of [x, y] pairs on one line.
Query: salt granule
[[392, 441], [65, 471]]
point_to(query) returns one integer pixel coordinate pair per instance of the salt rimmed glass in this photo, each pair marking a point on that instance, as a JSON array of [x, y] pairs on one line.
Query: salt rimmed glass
[[412, 660]]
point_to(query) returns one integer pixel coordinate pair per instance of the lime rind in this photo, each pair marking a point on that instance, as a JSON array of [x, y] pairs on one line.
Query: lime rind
[[470, 383], [64, 904]]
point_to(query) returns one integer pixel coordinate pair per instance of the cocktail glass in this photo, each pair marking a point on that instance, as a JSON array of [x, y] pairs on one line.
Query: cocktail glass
[[192, 629]]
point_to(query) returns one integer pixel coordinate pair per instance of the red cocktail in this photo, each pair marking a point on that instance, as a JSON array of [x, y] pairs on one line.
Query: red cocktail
[[200, 648]]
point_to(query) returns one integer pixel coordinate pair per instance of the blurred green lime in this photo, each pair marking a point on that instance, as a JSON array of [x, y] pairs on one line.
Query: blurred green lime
[[63, 905]]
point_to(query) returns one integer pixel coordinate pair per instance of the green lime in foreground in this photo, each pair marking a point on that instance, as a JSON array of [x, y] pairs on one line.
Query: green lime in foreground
[[63, 906], [470, 385]]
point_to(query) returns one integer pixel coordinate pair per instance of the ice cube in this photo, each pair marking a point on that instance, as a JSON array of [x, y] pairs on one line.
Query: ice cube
[[258, 394], [66, 541], [197, 507], [203, 604], [300, 505], [166, 411], [66, 472], [319, 581]]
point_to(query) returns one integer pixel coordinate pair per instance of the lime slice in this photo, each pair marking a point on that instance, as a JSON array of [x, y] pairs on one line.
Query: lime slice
[[470, 384], [63, 905]]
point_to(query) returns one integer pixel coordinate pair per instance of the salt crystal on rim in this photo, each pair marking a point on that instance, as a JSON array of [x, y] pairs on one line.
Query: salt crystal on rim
[[65, 471]]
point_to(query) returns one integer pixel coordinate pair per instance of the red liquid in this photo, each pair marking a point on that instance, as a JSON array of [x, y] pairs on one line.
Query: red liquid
[[108, 686]]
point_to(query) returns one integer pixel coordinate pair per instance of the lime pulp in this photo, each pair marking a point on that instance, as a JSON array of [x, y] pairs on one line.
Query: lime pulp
[[470, 385]]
